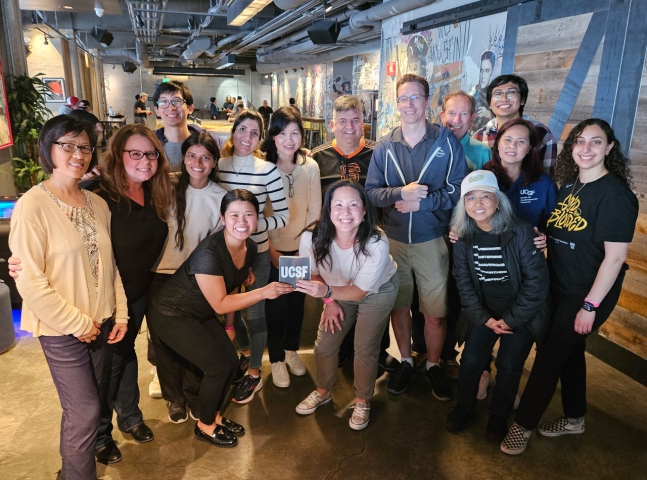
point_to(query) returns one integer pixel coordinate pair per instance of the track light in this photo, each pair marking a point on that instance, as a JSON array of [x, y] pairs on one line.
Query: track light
[[327, 6], [104, 37]]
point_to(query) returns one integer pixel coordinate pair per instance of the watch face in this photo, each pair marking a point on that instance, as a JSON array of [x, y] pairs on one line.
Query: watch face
[[588, 307]]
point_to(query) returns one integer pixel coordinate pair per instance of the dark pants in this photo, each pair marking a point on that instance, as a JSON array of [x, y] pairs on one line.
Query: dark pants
[[205, 344], [561, 358], [179, 378], [81, 373], [513, 351], [284, 317], [123, 392]]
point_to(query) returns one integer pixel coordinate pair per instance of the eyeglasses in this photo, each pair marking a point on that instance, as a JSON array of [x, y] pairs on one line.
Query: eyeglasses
[[71, 148], [176, 102], [486, 198], [412, 98], [290, 185], [509, 95], [137, 155]]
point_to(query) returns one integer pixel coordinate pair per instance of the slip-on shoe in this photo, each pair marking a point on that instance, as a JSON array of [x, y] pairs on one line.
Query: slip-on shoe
[[232, 428], [141, 433], [220, 438], [108, 454]]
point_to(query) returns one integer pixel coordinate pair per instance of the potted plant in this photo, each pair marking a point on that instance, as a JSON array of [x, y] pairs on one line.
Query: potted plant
[[28, 113]]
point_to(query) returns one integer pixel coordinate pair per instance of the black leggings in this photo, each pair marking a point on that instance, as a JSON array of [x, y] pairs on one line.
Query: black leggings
[[560, 358], [205, 344]]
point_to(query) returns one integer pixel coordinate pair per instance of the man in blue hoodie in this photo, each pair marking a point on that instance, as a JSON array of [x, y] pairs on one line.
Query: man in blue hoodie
[[415, 176]]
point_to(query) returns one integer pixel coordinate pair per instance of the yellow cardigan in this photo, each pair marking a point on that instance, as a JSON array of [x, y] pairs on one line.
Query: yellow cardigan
[[56, 282]]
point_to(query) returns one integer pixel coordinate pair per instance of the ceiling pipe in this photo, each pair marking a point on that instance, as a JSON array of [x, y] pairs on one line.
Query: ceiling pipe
[[118, 52], [326, 57], [289, 4], [386, 10]]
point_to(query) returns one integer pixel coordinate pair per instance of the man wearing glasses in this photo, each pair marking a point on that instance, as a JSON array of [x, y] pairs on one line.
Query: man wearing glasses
[[173, 104], [347, 156], [415, 176], [507, 95]]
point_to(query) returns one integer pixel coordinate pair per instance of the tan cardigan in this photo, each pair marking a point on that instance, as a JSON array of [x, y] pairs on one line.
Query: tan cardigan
[[56, 282]]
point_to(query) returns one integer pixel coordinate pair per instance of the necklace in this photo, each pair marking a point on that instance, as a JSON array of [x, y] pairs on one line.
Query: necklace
[[573, 192], [241, 168]]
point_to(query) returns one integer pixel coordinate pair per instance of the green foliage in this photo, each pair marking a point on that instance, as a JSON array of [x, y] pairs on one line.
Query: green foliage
[[28, 113]]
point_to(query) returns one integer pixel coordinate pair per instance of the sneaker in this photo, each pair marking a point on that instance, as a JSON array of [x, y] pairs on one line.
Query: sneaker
[[440, 387], [399, 380], [247, 388], [388, 363], [294, 362], [194, 414], [419, 357], [243, 365], [280, 375], [359, 418], [560, 426], [313, 402], [484, 385], [497, 428], [458, 419], [177, 412], [516, 441], [154, 388], [450, 367]]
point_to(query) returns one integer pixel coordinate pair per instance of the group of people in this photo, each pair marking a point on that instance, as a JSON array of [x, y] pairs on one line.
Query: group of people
[[190, 236]]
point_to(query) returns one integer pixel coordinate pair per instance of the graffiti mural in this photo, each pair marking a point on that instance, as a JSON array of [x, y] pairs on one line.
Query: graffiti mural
[[465, 55]]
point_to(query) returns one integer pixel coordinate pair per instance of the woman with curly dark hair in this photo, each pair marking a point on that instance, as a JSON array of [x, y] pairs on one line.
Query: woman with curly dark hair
[[589, 232], [356, 277]]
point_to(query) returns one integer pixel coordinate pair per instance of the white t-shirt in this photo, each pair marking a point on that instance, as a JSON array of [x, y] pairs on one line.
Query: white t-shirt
[[368, 273], [201, 218]]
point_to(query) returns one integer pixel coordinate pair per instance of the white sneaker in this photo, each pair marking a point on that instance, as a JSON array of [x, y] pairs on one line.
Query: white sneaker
[[516, 441], [314, 401], [484, 384], [294, 362], [280, 375], [359, 418], [154, 388]]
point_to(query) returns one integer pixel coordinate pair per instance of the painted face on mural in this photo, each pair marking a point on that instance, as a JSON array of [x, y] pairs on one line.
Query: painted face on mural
[[458, 115], [486, 73]]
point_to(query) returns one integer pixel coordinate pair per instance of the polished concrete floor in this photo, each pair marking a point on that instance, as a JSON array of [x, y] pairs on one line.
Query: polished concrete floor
[[406, 438]]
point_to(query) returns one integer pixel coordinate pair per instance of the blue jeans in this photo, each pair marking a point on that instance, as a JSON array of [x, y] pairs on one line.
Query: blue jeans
[[80, 372], [123, 393], [513, 351], [253, 318]]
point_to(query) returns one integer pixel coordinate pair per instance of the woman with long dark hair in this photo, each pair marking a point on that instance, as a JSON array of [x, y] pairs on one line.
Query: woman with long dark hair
[[73, 298], [194, 216], [589, 232], [355, 275], [300, 177], [241, 166], [182, 311], [503, 284]]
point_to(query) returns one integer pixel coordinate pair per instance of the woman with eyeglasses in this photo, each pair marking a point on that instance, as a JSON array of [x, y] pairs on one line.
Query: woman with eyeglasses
[[301, 182], [135, 184], [73, 298], [241, 166], [503, 283]]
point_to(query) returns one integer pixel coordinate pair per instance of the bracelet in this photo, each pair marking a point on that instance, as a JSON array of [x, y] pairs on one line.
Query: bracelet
[[595, 304], [328, 300], [229, 328]]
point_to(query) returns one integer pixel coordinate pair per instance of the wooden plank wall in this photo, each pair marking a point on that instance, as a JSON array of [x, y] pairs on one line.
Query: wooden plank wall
[[544, 54]]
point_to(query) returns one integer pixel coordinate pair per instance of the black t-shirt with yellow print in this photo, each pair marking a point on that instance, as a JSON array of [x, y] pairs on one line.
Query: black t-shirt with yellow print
[[584, 217]]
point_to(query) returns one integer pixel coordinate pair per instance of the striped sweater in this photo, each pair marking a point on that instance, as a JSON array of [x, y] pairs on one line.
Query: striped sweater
[[263, 180]]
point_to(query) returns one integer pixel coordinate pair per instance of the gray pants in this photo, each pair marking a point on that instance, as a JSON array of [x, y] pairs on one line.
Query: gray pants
[[140, 120], [372, 316], [79, 373]]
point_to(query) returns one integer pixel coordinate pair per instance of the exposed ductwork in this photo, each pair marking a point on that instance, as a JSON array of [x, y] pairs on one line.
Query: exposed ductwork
[[289, 4], [326, 57], [386, 10], [119, 52]]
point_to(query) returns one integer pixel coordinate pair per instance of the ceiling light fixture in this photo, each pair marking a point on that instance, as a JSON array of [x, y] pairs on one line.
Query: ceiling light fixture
[[104, 37], [67, 7], [241, 11], [326, 5]]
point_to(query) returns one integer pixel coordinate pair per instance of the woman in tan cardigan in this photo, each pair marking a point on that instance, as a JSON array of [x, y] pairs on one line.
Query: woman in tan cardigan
[[73, 299]]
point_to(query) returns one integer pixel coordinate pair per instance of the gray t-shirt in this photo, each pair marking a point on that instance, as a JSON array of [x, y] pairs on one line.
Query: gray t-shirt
[[174, 156]]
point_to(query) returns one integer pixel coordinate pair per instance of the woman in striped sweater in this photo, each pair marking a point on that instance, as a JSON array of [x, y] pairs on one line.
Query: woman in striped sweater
[[241, 167]]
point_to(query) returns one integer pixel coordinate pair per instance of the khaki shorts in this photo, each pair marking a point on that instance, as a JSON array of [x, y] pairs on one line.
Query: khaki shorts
[[429, 261]]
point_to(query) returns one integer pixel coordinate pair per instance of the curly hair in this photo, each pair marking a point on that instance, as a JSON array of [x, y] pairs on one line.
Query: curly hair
[[531, 165], [113, 173], [228, 147], [566, 169]]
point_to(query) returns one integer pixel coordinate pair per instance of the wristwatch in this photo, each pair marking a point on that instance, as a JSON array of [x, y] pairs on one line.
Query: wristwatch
[[589, 307], [328, 293]]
